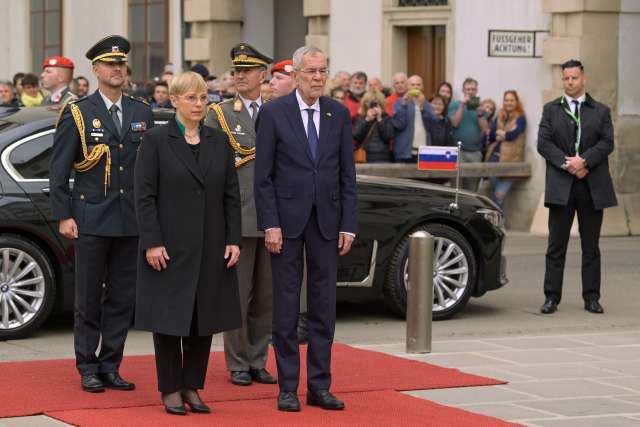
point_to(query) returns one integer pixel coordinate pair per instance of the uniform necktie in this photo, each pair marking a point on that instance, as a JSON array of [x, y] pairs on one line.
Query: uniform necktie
[[254, 111], [312, 133], [116, 120]]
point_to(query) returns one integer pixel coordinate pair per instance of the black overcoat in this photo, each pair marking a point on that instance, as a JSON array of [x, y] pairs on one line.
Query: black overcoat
[[192, 207], [556, 139]]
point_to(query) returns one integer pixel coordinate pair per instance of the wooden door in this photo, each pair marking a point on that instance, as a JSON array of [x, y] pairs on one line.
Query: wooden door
[[426, 55]]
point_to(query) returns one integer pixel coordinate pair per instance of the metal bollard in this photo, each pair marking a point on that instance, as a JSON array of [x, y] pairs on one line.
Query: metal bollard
[[420, 293]]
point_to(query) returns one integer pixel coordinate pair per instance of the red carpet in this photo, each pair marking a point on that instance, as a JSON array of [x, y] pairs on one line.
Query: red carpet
[[53, 385], [370, 409]]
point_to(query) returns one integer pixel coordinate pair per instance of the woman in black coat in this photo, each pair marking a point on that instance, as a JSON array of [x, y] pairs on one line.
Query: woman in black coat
[[373, 129], [188, 210]]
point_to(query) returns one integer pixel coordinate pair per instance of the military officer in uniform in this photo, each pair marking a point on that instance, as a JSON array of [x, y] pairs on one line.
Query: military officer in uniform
[[98, 138], [57, 73], [246, 348]]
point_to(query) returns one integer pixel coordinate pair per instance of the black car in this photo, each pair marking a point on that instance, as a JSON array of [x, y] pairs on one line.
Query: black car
[[36, 263]]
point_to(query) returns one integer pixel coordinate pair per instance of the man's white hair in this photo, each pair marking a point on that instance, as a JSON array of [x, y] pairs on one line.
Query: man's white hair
[[303, 51]]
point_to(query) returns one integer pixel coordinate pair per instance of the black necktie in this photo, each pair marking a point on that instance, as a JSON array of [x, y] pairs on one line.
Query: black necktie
[[116, 120], [312, 133], [576, 108]]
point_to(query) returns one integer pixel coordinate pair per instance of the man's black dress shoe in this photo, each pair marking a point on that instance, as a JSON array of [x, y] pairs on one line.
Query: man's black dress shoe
[[196, 407], [173, 410], [114, 380], [593, 306], [288, 401], [549, 306], [240, 378], [262, 376], [92, 383], [324, 399]]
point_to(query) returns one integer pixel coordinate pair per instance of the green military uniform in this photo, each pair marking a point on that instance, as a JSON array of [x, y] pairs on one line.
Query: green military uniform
[[246, 349]]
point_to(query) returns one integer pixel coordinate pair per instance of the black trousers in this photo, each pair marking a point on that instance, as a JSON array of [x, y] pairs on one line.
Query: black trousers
[[181, 362], [103, 314], [589, 222], [322, 273]]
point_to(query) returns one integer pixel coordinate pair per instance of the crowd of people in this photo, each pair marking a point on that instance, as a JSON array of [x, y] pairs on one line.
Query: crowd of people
[[390, 123]]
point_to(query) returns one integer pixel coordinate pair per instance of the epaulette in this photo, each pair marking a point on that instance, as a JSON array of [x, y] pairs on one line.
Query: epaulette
[[67, 102], [225, 101]]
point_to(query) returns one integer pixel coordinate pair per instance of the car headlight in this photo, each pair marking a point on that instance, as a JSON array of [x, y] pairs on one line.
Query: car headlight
[[494, 217]]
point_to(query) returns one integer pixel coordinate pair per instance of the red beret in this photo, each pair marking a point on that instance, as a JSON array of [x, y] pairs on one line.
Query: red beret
[[58, 61], [284, 67]]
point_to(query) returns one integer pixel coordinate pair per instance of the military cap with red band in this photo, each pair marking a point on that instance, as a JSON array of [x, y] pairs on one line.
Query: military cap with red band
[[58, 61], [284, 67]]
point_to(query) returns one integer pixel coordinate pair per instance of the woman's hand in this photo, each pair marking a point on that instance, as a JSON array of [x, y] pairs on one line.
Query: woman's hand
[[232, 253], [157, 257], [500, 135], [371, 114]]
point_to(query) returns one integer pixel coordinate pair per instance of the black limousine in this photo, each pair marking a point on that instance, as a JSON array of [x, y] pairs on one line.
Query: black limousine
[[36, 263]]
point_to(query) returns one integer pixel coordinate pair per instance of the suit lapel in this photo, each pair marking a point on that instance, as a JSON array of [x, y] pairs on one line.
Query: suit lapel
[[100, 111], [127, 115], [294, 117], [179, 146], [326, 115], [206, 151]]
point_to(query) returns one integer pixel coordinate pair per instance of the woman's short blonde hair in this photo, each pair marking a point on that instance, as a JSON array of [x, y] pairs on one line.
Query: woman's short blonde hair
[[187, 82]]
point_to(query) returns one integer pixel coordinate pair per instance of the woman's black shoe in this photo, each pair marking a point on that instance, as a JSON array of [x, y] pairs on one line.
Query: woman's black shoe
[[196, 407], [173, 410]]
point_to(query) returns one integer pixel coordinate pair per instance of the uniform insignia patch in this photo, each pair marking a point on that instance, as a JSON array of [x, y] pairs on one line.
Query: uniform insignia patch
[[237, 105], [238, 128], [138, 126], [96, 123], [329, 114]]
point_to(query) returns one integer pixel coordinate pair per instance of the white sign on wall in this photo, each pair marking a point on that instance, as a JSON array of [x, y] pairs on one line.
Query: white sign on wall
[[507, 43]]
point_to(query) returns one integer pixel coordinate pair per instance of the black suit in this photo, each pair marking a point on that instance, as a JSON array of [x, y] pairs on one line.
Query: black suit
[[311, 200], [106, 247], [566, 195], [190, 204]]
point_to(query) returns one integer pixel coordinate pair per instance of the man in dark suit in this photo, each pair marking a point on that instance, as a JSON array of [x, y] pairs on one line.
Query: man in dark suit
[[305, 193], [98, 138], [575, 137]]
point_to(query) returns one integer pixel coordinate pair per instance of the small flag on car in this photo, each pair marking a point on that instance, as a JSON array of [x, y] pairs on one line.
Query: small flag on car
[[434, 158]]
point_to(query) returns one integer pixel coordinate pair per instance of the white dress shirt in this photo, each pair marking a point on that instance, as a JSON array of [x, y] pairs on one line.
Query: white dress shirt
[[305, 115], [247, 104], [570, 100], [108, 104]]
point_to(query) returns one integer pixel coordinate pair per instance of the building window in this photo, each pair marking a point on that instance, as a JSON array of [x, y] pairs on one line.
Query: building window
[[149, 36], [422, 2], [46, 31]]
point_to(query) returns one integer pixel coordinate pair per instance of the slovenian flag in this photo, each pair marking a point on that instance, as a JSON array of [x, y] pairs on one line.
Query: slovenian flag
[[437, 158]]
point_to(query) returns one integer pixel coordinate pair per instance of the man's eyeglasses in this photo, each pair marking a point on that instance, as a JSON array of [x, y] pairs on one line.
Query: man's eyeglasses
[[313, 71], [193, 99]]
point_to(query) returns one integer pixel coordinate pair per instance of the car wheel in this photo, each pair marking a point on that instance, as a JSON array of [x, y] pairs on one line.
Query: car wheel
[[454, 265], [27, 290]]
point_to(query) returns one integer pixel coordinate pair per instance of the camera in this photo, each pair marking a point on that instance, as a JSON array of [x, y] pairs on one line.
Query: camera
[[373, 104], [473, 103]]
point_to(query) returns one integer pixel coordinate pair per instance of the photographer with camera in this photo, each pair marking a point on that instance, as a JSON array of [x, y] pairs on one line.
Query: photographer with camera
[[373, 130], [469, 121], [410, 116]]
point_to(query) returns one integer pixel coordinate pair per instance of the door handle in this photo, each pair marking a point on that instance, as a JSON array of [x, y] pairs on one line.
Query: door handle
[[46, 190]]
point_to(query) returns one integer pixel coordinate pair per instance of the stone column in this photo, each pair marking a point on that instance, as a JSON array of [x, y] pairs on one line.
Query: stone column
[[216, 25], [589, 30], [317, 13]]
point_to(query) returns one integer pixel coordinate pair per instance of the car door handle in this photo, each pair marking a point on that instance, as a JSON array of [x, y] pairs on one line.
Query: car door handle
[[46, 190]]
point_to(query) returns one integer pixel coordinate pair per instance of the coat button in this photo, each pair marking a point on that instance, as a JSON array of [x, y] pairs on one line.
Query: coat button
[[121, 168], [121, 191], [120, 145], [82, 197]]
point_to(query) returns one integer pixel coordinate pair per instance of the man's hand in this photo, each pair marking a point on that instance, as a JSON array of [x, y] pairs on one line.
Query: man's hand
[[157, 257], [273, 240], [232, 253], [582, 173], [344, 243], [420, 100], [68, 228], [574, 164]]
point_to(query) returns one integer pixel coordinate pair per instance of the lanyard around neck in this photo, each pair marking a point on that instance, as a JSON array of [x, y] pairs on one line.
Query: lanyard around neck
[[576, 119]]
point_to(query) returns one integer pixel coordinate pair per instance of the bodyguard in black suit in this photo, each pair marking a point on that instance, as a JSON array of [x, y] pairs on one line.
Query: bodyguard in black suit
[[305, 194], [97, 138], [575, 137]]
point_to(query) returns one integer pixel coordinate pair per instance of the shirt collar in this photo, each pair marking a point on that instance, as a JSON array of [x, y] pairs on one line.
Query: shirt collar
[[247, 102], [108, 103], [570, 99], [58, 94], [303, 105]]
